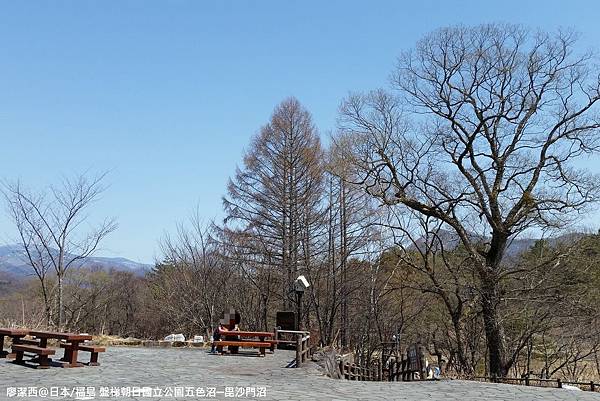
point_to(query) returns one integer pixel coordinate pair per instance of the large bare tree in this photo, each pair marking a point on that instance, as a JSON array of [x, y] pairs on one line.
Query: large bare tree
[[50, 228], [502, 115]]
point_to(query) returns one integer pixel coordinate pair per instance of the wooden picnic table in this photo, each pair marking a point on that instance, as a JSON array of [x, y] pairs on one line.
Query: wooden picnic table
[[74, 340], [15, 334]]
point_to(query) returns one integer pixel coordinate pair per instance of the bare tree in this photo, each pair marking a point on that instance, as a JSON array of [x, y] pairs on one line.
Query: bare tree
[[50, 229], [350, 220], [192, 278], [276, 196], [502, 116]]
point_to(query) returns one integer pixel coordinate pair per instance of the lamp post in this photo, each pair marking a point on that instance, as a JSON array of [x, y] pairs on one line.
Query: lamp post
[[300, 285]]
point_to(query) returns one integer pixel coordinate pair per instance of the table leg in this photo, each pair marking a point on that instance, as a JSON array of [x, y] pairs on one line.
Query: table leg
[[15, 340], [71, 356], [44, 362], [67, 356], [2, 352]]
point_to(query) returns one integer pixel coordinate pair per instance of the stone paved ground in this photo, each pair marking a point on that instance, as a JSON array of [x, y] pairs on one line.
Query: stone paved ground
[[190, 369]]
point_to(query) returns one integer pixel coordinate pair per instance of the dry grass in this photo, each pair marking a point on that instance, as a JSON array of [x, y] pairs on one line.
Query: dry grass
[[106, 340]]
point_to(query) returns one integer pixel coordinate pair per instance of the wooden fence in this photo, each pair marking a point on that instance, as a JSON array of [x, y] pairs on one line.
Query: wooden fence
[[351, 371], [399, 370], [528, 381]]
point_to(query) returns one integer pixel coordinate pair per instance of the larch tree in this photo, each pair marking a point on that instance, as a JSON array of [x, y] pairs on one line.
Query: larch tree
[[274, 201]]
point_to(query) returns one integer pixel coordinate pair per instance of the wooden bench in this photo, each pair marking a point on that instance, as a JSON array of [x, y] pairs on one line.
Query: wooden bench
[[14, 334], [93, 349], [261, 345], [73, 339], [43, 353], [273, 344]]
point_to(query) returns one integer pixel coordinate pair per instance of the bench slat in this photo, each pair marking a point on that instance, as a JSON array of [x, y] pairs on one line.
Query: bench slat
[[92, 348], [27, 341], [243, 343], [87, 348], [33, 349]]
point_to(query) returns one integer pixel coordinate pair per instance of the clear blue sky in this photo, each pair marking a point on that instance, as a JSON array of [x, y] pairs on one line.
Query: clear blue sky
[[166, 94]]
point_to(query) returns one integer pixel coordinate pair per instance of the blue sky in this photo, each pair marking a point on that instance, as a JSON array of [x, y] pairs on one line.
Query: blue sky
[[166, 95]]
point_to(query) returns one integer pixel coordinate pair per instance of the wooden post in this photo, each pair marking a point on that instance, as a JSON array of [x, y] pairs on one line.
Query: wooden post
[[298, 350], [422, 368], [304, 349], [592, 387], [380, 370], [559, 382], [527, 379]]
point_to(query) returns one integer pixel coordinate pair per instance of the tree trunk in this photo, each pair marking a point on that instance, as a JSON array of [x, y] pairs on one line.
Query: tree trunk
[[343, 265], [265, 308], [494, 332], [464, 366], [60, 302]]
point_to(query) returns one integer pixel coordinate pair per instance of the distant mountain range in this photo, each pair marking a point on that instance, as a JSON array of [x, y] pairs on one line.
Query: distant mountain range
[[13, 262], [514, 248]]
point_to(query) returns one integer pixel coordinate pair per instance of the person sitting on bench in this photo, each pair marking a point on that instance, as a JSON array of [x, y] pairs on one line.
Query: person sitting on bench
[[217, 336]]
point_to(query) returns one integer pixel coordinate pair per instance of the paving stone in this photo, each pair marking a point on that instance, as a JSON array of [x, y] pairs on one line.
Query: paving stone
[[193, 368]]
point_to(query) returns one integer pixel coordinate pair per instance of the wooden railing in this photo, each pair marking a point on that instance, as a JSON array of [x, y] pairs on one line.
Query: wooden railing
[[403, 370], [397, 371], [351, 371], [403, 367], [303, 349], [528, 381], [302, 342]]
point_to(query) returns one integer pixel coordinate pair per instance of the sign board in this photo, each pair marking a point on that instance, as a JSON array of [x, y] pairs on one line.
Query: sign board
[[286, 320], [414, 362]]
